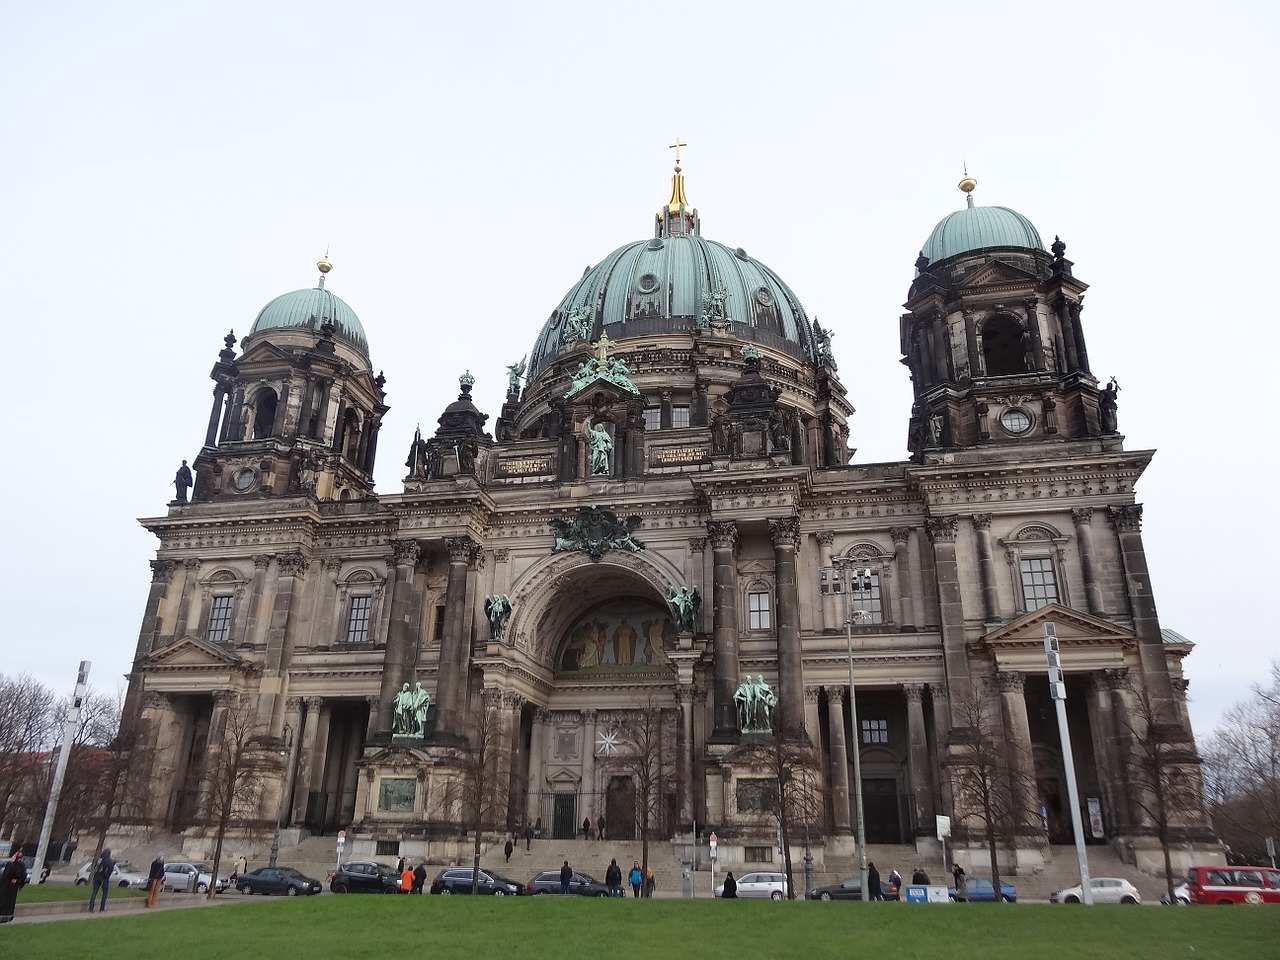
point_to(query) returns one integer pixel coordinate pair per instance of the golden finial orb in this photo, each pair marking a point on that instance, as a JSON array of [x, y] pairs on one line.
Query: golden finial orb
[[968, 183], [323, 265]]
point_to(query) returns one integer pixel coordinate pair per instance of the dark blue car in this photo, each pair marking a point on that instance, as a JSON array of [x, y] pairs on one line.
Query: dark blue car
[[980, 890]]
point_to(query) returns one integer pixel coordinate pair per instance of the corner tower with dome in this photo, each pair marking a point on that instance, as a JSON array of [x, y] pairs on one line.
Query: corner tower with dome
[[659, 510]]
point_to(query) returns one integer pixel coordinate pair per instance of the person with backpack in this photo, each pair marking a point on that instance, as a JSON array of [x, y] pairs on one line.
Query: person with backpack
[[613, 878], [102, 880]]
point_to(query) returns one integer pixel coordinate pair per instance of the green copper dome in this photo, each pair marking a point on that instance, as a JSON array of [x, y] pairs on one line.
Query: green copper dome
[[310, 308], [978, 228]]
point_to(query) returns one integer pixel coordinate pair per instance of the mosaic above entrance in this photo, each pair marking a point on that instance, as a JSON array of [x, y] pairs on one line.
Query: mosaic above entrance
[[621, 636]]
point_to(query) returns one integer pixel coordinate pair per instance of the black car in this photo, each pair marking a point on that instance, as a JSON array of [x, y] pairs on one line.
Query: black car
[[458, 880], [364, 876], [268, 880], [851, 889], [581, 885]]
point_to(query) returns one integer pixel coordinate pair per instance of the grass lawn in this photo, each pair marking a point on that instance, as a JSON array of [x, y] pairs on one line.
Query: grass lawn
[[376, 928], [61, 893]]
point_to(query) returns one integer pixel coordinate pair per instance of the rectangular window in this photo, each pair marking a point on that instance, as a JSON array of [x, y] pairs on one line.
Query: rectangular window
[[757, 795], [219, 620], [652, 418], [865, 597], [759, 614], [438, 635], [358, 620], [388, 848], [679, 416], [395, 794], [875, 731], [566, 744], [1039, 585], [757, 854]]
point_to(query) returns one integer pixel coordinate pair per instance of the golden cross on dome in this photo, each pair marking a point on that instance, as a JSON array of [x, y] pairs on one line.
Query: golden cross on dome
[[602, 347], [676, 147]]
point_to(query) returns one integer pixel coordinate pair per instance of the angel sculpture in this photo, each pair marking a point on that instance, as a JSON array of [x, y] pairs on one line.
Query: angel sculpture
[[684, 602], [498, 609]]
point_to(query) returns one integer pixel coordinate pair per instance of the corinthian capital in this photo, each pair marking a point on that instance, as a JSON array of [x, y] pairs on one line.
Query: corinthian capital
[[785, 532], [406, 551], [162, 571], [940, 529], [1126, 518], [723, 533], [460, 549]]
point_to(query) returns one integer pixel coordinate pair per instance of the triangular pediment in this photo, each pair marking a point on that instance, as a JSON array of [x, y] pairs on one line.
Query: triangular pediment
[[396, 756], [994, 273], [192, 653], [1073, 628]]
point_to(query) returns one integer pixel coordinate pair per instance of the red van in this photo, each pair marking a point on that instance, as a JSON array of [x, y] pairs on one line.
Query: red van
[[1233, 884]]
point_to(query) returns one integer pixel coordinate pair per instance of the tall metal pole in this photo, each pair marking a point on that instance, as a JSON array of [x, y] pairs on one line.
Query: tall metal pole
[[1058, 690], [843, 566], [60, 771]]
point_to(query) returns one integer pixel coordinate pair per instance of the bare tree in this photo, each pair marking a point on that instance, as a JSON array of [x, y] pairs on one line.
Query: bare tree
[[479, 792], [238, 767], [792, 796], [28, 728], [992, 778], [1161, 768], [647, 754], [1242, 771]]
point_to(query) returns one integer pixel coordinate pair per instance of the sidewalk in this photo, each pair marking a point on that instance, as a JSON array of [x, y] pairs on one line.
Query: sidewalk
[[119, 906]]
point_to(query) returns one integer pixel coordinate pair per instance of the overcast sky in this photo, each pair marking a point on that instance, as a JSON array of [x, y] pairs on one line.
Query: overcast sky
[[168, 168]]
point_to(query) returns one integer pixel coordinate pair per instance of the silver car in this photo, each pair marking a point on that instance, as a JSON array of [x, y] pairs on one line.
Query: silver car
[[122, 876], [760, 886], [178, 876], [1105, 890]]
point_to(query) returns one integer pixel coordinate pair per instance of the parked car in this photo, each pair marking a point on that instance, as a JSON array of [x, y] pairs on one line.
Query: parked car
[[268, 880], [1104, 889], [980, 890], [364, 876], [1217, 884], [177, 876], [122, 876], [757, 886], [1181, 896], [458, 880], [581, 885], [851, 889]]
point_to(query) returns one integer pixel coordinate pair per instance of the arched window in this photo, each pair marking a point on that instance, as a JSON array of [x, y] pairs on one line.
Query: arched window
[[264, 413], [1002, 351]]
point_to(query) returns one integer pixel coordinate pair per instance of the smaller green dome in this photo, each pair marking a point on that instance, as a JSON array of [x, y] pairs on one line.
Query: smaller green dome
[[977, 228], [310, 308]]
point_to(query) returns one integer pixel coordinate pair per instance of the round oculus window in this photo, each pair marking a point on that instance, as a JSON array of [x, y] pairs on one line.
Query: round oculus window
[[244, 479], [648, 283], [1015, 421], [764, 297]]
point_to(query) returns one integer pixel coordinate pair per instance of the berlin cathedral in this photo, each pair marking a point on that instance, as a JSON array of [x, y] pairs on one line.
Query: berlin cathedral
[[663, 515]]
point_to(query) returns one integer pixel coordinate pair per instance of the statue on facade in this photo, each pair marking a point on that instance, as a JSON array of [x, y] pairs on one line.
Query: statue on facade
[[720, 430], [755, 700], [181, 483], [822, 354], [595, 531], [421, 704], [514, 373], [766, 700], [402, 719], [780, 429], [577, 325], [418, 456], [498, 609], [745, 700], [713, 313], [1108, 422], [601, 445], [684, 603]]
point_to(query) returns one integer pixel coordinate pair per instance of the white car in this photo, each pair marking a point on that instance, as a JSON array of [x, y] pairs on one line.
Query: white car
[[759, 886], [177, 876], [122, 876], [1181, 895], [1105, 890]]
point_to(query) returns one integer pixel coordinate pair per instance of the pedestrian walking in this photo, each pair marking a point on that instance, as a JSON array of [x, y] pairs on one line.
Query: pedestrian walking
[[406, 878], [586, 829], [962, 883], [507, 848], [528, 836], [242, 866], [12, 879], [155, 880], [419, 879], [102, 880], [873, 883], [730, 891], [566, 877], [919, 877], [613, 878], [600, 827], [635, 878], [650, 882], [895, 878], [400, 865]]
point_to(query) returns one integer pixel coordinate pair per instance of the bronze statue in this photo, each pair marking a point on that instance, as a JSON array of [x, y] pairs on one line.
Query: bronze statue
[[181, 483], [1108, 422]]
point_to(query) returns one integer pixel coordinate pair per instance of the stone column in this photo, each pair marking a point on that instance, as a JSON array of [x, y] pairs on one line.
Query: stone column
[[986, 568], [190, 570], [158, 713], [309, 757], [942, 533], [907, 575], [918, 759], [513, 708], [1072, 363], [1082, 517], [537, 763], [326, 606], [841, 818], [685, 697], [588, 727], [211, 434], [399, 657], [1106, 741], [371, 724], [161, 576], [1022, 776], [1073, 309], [724, 538], [829, 599], [789, 716], [1033, 329], [290, 569], [1127, 522], [812, 721]]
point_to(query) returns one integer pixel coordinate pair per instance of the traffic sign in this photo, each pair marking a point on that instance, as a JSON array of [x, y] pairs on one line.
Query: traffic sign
[[713, 840], [342, 840]]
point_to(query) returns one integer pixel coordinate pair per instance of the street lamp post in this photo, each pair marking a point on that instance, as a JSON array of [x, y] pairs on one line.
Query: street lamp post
[[286, 743], [851, 578]]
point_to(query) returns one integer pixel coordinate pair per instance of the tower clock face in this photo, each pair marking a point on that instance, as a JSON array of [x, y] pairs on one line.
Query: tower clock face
[[244, 478]]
